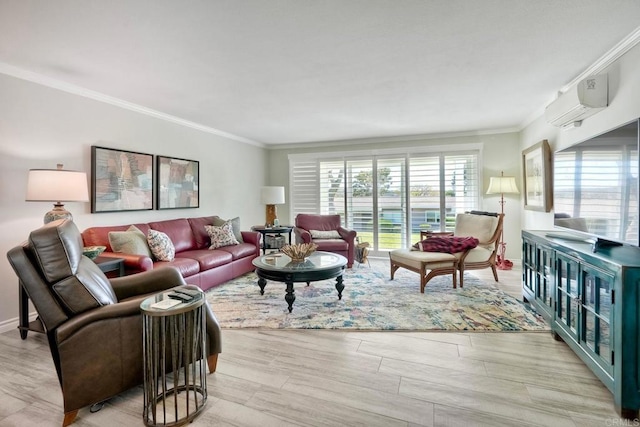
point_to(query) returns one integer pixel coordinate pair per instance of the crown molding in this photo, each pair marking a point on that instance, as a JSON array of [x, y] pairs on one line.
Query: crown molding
[[601, 64], [40, 79], [389, 139]]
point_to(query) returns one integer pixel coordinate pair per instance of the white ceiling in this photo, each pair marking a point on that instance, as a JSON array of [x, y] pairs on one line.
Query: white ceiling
[[287, 71]]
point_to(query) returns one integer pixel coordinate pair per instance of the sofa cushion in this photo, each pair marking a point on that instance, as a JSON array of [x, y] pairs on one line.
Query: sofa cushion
[[161, 246], [179, 231], [132, 242], [235, 224], [332, 245], [221, 236], [201, 237], [186, 266], [241, 250], [208, 259]]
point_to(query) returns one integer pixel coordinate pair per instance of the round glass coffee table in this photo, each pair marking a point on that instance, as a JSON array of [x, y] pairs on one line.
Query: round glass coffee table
[[317, 266]]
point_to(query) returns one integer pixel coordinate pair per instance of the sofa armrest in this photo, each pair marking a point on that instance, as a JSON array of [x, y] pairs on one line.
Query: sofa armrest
[[252, 237], [302, 235], [132, 263], [146, 282], [348, 235]]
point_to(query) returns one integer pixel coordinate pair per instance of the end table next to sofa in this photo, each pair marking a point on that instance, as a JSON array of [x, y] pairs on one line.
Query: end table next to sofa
[[272, 231]]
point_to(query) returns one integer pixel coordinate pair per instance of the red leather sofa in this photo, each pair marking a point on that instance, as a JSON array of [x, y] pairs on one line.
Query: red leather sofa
[[196, 262]]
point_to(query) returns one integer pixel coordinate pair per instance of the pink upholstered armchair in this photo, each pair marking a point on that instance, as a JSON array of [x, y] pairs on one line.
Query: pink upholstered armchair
[[326, 232]]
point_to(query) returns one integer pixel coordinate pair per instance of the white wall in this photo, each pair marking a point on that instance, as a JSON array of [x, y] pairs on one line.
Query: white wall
[[500, 152], [41, 126], [624, 106]]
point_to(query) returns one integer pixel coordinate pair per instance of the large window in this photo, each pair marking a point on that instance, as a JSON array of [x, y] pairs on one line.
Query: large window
[[387, 198]]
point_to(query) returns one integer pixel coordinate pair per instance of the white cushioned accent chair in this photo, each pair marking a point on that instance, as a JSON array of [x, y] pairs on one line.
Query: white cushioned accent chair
[[484, 226]]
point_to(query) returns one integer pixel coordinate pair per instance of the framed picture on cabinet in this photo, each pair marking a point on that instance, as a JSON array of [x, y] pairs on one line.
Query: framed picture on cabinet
[[178, 183], [120, 180], [536, 165]]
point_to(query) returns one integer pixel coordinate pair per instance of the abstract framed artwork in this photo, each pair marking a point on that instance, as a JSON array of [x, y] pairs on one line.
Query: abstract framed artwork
[[178, 183], [536, 165], [120, 180]]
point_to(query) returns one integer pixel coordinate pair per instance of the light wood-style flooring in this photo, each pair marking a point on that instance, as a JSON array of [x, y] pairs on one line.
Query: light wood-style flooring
[[339, 378]]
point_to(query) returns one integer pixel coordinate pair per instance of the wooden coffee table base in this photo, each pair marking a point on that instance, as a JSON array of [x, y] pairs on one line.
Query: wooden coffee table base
[[303, 276]]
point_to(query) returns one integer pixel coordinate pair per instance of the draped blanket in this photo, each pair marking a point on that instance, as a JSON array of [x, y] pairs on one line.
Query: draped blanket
[[449, 244]]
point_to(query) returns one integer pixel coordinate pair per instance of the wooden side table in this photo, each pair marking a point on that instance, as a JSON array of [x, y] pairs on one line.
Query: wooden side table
[[110, 265], [278, 231], [175, 368]]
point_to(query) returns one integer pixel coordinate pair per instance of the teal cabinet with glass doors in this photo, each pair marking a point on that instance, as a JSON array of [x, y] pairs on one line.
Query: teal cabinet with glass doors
[[591, 302]]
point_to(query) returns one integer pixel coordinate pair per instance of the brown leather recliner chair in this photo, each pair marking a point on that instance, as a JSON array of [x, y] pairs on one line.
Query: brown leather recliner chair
[[327, 232], [93, 324]]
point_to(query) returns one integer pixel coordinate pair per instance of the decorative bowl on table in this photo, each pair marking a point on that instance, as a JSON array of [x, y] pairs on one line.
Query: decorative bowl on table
[[299, 252], [92, 252]]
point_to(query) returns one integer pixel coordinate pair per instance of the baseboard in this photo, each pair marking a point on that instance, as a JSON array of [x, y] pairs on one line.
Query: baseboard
[[12, 324]]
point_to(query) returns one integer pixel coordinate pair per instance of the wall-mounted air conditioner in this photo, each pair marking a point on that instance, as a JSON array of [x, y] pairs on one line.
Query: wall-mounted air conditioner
[[579, 102]]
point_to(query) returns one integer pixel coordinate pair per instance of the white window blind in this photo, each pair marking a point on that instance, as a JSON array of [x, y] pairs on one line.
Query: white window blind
[[388, 198]]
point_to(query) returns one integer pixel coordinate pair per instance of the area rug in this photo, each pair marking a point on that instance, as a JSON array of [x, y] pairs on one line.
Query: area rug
[[370, 301]]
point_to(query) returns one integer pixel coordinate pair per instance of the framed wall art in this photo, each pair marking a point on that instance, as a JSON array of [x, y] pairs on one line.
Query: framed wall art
[[178, 183], [120, 180], [536, 165]]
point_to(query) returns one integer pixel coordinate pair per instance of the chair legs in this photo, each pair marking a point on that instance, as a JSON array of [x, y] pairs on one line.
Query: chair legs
[[69, 417], [422, 272], [212, 362]]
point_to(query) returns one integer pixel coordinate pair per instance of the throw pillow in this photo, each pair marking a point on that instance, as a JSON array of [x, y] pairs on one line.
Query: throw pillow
[[320, 234], [132, 242], [221, 236], [161, 246], [235, 224]]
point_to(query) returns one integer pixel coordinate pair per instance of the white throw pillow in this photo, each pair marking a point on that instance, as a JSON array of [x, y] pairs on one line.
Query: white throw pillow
[[320, 234], [132, 242]]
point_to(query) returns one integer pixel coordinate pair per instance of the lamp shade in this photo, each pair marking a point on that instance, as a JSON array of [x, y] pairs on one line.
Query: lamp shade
[[272, 195], [57, 185], [502, 185]]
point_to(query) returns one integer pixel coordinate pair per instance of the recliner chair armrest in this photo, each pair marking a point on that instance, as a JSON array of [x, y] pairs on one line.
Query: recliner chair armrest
[[146, 282], [302, 235], [348, 235], [112, 311]]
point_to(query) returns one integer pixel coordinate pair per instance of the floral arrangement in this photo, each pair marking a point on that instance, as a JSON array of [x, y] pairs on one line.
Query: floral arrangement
[[299, 251]]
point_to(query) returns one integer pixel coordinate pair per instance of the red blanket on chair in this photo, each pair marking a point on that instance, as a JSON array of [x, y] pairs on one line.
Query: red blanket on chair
[[451, 244]]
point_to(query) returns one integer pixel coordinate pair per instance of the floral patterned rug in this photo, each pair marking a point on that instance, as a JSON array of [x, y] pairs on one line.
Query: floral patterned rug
[[370, 301]]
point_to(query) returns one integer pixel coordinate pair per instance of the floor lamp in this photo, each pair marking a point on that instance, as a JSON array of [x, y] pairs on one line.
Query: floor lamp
[[502, 185]]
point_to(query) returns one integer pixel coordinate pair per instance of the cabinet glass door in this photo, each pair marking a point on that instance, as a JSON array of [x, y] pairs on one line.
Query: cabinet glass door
[[568, 294], [597, 308], [529, 267], [545, 276]]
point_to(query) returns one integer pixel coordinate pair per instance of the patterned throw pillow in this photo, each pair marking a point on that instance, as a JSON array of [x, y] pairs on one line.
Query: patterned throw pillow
[[221, 236], [319, 234], [161, 246], [235, 224], [132, 242]]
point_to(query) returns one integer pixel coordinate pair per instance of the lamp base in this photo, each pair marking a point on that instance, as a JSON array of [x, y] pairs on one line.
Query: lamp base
[[271, 214], [58, 212], [501, 262], [504, 264]]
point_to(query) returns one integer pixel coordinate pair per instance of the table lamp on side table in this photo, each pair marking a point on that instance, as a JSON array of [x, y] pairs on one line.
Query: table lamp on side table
[[272, 196], [57, 185], [502, 185]]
